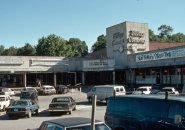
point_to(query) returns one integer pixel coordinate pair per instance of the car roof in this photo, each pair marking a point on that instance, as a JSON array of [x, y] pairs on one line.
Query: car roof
[[73, 121], [108, 85], [145, 87], [63, 97], [152, 96], [47, 86]]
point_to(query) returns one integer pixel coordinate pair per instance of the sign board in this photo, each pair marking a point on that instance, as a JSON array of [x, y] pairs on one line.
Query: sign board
[[161, 55]]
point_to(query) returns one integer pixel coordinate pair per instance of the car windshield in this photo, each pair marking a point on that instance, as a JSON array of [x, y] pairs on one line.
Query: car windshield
[[21, 103], [141, 89], [2, 98], [26, 94], [88, 127], [62, 99], [166, 89]]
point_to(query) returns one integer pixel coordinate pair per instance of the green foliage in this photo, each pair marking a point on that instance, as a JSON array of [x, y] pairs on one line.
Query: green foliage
[[12, 51], [165, 30], [165, 35], [27, 50], [99, 44], [53, 45], [78, 47], [1, 49]]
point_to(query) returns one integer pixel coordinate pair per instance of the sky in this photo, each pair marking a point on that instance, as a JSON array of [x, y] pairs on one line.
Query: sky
[[25, 21]]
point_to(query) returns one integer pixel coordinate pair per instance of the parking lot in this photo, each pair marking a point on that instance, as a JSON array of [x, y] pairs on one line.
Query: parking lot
[[83, 110]]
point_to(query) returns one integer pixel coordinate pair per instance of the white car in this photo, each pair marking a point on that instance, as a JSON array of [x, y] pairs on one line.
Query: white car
[[7, 91], [170, 90], [143, 90], [29, 89], [47, 89], [5, 101]]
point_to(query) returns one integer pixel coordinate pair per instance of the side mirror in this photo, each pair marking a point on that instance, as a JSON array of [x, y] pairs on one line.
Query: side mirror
[[178, 119]]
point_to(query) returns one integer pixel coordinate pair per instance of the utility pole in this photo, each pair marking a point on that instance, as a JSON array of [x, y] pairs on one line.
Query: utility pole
[[93, 112]]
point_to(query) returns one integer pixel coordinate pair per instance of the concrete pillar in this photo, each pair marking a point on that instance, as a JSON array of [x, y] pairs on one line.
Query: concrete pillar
[[55, 80], [113, 77], [24, 79], [83, 78]]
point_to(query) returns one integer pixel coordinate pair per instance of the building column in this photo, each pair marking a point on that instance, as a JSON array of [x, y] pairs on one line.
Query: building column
[[24, 79], [55, 80], [113, 77], [83, 78]]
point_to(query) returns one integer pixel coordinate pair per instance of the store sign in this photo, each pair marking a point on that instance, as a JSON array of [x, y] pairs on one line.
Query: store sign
[[88, 64], [135, 37], [161, 55], [48, 62]]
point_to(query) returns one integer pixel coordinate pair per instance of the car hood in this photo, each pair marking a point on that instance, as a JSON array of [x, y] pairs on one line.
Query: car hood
[[60, 103]]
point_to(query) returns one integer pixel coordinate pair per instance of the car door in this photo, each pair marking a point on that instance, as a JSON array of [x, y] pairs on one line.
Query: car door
[[175, 109], [33, 106]]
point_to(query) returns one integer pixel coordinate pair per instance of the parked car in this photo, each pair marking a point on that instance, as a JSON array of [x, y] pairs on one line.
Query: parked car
[[5, 101], [29, 89], [62, 104], [143, 90], [6, 91], [47, 89], [62, 89], [22, 108], [73, 123], [170, 90], [29, 94], [145, 112], [103, 92]]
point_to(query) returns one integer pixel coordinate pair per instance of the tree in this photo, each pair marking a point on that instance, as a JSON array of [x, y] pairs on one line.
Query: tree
[[27, 50], [12, 51], [1, 49], [100, 43], [52, 45], [78, 48], [165, 30]]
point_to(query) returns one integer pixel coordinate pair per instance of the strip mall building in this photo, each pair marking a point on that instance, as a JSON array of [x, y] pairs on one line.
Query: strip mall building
[[128, 59]]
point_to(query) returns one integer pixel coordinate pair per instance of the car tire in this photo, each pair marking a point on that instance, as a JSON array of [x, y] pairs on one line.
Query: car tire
[[29, 114], [37, 111], [90, 99], [74, 108]]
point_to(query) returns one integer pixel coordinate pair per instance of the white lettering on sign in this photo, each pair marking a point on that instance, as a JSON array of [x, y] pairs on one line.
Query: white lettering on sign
[[161, 55], [135, 37]]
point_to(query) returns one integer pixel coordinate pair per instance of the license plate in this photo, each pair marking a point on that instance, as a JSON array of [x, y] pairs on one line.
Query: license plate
[[15, 109], [59, 106]]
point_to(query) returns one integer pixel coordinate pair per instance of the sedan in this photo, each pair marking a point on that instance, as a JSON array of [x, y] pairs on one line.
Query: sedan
[[22, 108], [62, 104], [7, 91], [74, 123], [62, 89]]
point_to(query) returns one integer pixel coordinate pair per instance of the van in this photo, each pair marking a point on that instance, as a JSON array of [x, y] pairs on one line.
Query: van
[[145, 112], [103, 92]]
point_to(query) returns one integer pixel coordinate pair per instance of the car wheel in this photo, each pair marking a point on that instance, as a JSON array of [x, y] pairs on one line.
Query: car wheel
[[90, 99], [37, 111], [74, 108], [29, 114]]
